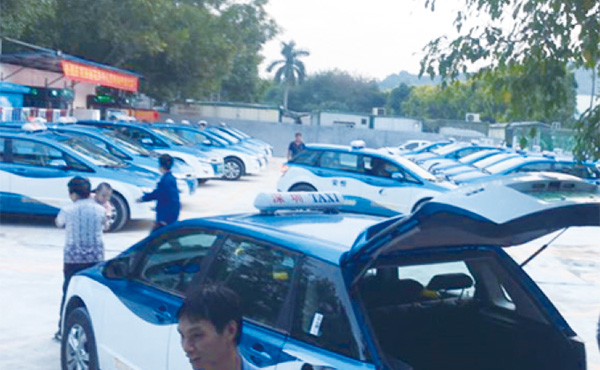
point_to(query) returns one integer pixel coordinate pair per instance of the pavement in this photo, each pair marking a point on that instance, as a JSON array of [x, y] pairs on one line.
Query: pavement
[[31, 271]]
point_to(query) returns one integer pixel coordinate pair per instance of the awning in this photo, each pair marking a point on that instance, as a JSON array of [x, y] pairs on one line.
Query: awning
[[13, 88], [75, 68]]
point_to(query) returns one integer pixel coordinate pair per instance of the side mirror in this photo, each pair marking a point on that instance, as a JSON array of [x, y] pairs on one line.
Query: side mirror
[[117, 268], [398, 176], [60, 163]]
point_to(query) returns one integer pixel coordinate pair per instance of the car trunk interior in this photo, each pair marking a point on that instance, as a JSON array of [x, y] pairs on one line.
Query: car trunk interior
[[455, 321]]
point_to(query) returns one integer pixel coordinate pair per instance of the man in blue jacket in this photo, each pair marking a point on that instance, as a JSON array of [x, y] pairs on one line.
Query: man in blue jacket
[[166, 194]]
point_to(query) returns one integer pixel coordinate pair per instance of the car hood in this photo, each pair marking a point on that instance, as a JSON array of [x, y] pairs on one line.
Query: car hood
[[503, 213]]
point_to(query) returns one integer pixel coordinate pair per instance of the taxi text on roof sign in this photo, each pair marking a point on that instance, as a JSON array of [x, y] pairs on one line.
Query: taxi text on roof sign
[[268, 202]]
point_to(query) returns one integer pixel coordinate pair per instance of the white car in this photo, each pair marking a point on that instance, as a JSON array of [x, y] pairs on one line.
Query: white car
[[369, 177]]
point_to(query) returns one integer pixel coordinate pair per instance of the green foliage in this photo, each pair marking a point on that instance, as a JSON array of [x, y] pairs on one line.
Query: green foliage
[[183, 48], [335, 90], [290, 69], [396, 98], [524, 47]]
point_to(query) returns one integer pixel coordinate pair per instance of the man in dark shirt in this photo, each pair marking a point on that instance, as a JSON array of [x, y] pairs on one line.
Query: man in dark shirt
[[296, 146], [166, 194]]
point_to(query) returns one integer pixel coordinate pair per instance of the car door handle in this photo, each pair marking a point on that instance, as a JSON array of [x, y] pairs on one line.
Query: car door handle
[[258, 349], [162, 314]]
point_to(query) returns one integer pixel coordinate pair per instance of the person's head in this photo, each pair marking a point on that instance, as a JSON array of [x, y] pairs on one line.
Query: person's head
[[210, 325], [298, 136], [165, 162], [103, 192], [202, 124], [79, 188]]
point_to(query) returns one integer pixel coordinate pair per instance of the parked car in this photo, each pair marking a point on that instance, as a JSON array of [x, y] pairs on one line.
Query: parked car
[[455, 152], [245, 138], [260, 150], [368, 176], [427, 148], [238, 160], [449, 163], [480, 165], [35, 168], [132, 152], [206, 166], [532, 163], [327, 289]]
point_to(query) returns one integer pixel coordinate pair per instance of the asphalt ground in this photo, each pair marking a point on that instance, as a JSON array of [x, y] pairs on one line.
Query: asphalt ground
[[31, 271]]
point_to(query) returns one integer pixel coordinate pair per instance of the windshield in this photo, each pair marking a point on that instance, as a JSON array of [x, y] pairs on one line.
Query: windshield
[[475, 156], [447, 149], [225, 136], [483, 163], [505, 165], [169, 135], [128, 144], [415, 168], [92, 153]]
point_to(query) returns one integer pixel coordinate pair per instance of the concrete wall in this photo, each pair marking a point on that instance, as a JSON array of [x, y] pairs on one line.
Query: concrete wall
[[279, 135], [397, 124]]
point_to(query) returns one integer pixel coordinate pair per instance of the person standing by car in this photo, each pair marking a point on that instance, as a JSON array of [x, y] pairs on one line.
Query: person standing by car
[[166, 194], [295, 146], [210, 325], [83, 221]]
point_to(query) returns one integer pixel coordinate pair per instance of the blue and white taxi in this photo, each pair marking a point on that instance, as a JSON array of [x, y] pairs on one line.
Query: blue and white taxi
[[35, 167], [323, 288], [368, 176]]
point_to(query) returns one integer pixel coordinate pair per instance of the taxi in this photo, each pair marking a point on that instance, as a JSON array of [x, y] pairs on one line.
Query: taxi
[[371, 177], [324, 288], [36, 165]]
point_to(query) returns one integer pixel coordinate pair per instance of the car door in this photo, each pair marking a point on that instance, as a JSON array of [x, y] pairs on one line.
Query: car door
[[139, 327], [6, 198], [389, 184], [324, 332], [39, 173], [262, 274]]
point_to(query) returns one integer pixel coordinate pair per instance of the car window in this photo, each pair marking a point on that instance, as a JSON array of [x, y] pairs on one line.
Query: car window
[[260, 273], [578, 169], [140, 136], [535, 167], [173, 259], [322, 311], [381, 167], [35, 153], [2, 141], [341, 161], [306, 156]]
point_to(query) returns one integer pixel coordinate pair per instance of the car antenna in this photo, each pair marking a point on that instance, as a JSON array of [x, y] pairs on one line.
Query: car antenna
[[542, 248]]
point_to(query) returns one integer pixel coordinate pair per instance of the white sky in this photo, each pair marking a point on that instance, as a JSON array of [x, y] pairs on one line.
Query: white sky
[[372, 38]]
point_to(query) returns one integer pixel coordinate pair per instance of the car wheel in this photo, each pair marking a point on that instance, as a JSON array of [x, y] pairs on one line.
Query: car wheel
[[234, 169], [302, 187], [120, 213], [78, 345], [419, 204]]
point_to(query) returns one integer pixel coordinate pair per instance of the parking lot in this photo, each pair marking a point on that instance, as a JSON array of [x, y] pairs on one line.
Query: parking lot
[[31, 271]]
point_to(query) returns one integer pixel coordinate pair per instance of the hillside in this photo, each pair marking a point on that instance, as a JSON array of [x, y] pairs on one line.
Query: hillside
[[582, 76]]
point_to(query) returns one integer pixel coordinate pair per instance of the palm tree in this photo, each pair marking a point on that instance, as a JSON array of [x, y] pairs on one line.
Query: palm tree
[[291, 70]]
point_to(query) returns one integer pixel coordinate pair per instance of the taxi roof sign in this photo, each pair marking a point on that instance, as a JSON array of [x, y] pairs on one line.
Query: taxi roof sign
[[271, 202]]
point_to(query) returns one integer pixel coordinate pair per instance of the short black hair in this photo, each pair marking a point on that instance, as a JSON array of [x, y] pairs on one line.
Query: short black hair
[[103, 185], [165, 161], [80, 186], [215, 303]]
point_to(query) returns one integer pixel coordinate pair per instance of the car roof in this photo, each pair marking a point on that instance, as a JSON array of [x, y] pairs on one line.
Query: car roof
[[318, 234]]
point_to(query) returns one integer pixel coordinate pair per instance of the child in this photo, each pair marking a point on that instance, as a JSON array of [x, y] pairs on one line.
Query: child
[[102, 195]]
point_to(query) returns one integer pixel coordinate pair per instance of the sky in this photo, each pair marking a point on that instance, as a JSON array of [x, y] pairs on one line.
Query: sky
[[371, 39]]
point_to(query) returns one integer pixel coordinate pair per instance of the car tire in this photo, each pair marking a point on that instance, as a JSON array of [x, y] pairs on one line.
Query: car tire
[[234, 169], [120, 213], [302, 187], [78, 344], [419, 204]]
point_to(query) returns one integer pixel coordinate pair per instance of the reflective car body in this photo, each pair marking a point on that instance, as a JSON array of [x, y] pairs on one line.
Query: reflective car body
[[206, 166], [36, 167], [245, 138], [361, 174], [336, 290], [238, 160], [232, 139], [132, 152]]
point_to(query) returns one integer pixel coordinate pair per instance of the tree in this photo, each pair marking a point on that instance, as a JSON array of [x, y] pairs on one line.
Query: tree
[[503, 36], [397, 97], [291, 70]]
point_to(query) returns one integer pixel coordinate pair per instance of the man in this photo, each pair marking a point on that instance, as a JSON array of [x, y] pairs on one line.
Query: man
[[84, 221], [166, 194], [295, 146], [210, 325]]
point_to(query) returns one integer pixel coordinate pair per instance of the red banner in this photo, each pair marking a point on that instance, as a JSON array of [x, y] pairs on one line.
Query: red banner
[[99, 76]]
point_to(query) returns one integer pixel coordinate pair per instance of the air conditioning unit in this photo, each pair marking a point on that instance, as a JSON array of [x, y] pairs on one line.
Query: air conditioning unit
[[379, 111], [472, 117]]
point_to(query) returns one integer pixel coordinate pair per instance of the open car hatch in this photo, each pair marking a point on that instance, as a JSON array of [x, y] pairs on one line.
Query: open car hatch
[[506, 212]]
